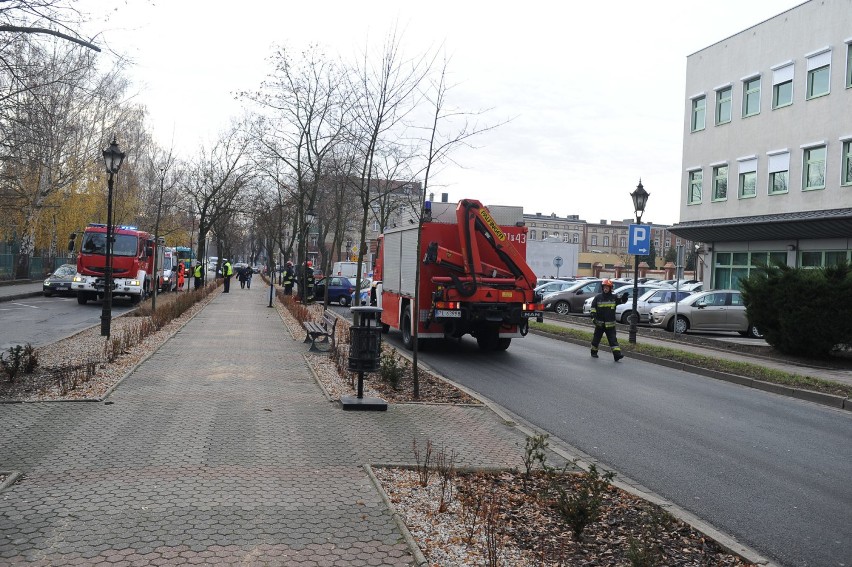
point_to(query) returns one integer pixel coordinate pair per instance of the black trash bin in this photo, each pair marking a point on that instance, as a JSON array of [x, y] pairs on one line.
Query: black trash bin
[[365, 352]]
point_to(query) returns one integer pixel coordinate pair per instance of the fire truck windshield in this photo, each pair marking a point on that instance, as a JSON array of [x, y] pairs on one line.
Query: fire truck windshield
[[95, 243]]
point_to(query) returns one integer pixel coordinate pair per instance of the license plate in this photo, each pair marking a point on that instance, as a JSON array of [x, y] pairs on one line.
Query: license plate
[[448, 313]]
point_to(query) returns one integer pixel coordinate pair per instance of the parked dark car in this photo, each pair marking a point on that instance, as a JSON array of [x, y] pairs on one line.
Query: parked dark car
[[60, 280], [339, 290]]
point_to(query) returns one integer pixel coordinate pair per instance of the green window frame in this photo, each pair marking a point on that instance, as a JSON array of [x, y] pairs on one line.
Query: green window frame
[[699, 113], [846, 177], [813, 169], [723, 106], [696, 180], [849, 66], [748, 185], [720, 183], [782, 94], [732, 267], [819, 82], [812, 259], [779, 182], [751, 97]]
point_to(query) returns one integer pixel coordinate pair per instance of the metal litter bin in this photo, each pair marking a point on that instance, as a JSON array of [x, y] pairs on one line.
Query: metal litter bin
[[365, 353]]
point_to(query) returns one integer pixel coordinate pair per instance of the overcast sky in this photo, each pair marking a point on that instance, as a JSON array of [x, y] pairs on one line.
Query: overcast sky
[[595, 90]]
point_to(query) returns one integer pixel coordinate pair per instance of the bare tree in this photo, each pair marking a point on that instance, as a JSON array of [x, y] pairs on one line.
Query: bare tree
[[305, 109], [384, 94], [56, 18], [215, 183]]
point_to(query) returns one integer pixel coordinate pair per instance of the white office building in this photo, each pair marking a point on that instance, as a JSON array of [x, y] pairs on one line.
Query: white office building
[[767, 144]]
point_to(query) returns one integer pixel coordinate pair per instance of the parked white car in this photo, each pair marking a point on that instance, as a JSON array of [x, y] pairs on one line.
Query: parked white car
[[626, 288], [648, 300]]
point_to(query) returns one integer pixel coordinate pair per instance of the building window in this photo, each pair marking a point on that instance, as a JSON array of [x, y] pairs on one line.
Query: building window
[[821, 259], [723, 106], [695, 181], [606, 241], [622, 242], [576, 238], [731, 267], [720, 183], [779, 173], [594, 240], [846, 178], [747, 187], [532, 234], [751, 97], [566, 237], [849, 66], [782, 86], [555, 235], [699, 110], [819, 75], [813, 168], [543, 234]]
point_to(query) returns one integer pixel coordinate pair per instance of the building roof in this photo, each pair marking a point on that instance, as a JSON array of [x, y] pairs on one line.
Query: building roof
[[830, 223]]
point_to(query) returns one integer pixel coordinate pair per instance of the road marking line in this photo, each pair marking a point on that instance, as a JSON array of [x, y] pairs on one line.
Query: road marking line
[[25, 305]]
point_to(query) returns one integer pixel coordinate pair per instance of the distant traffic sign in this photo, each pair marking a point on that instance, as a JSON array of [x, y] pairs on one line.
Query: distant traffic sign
[[639, 239]]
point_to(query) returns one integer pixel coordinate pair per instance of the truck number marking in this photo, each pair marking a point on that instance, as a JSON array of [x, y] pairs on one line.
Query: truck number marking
[[493, 225], [454, 313]]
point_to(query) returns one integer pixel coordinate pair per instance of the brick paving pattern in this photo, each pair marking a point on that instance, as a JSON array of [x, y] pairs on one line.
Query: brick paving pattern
[[220, 449]]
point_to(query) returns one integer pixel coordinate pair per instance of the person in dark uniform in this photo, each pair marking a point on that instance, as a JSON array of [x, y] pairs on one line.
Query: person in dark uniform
[[289, 279], [603, 316]]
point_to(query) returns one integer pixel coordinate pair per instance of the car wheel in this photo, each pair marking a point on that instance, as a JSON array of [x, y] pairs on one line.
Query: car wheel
[[344, 300], [681, 325], [48, 293], [625, 317], [82, 298], [562, 307], [754, 332]]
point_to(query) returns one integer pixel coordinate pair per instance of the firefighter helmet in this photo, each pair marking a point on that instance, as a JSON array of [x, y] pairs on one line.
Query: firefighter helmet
[[607, 283]]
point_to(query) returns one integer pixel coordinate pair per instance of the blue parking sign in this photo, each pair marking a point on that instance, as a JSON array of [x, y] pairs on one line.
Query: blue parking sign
[[639, 239]]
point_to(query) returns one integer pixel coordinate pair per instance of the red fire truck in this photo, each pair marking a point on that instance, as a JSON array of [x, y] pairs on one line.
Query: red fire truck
[[132, 263], [474, 278]]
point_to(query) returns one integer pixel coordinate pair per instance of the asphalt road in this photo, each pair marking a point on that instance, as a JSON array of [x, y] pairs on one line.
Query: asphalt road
[[44, 320], [772, 471]]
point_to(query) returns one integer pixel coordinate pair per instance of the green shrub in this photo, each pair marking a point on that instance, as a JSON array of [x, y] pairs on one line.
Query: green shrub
[[800, 312]]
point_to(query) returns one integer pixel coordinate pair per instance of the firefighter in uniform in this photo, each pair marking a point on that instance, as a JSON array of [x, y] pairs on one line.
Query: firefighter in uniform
[[198, 274], [603, 316], [289, 279]]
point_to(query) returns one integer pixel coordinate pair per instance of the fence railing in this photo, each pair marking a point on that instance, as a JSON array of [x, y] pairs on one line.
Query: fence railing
[[39, 266]]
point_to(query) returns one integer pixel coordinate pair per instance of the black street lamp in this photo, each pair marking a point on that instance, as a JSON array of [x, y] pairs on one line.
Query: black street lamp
[[640, 199], [113, 157]]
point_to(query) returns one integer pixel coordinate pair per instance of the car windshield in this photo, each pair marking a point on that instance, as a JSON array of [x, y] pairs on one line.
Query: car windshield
[[65, 270]]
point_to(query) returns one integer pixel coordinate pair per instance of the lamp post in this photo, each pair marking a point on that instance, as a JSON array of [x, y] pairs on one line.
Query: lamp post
[[309, 218], [640, 198], [113, 157]]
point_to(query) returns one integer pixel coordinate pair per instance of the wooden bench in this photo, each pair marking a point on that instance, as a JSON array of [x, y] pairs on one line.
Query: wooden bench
[[324, 329]]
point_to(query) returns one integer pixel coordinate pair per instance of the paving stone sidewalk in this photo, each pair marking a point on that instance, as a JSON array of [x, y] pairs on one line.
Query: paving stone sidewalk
[[220, 448]]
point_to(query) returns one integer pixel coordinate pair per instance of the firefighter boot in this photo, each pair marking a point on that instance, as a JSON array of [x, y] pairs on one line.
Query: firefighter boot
[[594, 353], [616, 354]]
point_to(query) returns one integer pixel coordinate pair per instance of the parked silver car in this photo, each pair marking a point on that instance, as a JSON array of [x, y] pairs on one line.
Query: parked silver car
[[571, 300], [717, 310], [647, 301]]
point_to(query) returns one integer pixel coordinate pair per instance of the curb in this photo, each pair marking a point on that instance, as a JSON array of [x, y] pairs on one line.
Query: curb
[[20, 296], [830, 400]]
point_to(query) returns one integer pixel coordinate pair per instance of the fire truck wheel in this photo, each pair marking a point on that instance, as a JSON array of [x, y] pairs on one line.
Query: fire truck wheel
[[503, 344], [405, 327], [135, 299]]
